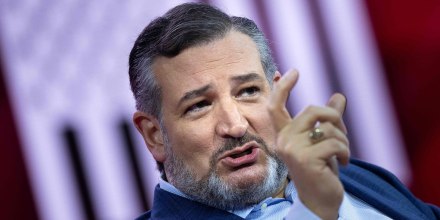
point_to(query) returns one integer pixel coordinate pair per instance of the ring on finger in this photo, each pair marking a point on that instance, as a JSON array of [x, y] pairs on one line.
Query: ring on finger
[[316, 134]]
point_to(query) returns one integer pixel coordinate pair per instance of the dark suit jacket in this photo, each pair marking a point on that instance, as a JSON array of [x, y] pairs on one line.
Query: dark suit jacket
[[374, 185]]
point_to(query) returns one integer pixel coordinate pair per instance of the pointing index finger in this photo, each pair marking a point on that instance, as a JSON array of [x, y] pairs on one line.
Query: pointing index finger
[[280, 93]]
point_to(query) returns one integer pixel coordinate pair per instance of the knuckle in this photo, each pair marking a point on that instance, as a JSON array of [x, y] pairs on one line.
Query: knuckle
[[328, 129], [330, 133], [311, 109], [335, 144], [310, 113], [333, 111]]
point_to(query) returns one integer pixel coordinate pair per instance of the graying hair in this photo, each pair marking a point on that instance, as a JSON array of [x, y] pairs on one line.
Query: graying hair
[[184, 26]]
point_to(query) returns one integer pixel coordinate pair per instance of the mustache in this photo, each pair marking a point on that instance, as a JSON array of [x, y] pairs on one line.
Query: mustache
[[231, 143]]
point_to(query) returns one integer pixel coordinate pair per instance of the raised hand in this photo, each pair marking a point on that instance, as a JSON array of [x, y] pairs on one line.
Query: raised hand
[[312, 162]]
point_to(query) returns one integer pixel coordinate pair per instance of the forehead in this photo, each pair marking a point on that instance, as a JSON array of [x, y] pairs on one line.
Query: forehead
[[233, 55]]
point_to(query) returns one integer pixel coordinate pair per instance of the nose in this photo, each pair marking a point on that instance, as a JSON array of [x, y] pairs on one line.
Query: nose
[[231, 121]]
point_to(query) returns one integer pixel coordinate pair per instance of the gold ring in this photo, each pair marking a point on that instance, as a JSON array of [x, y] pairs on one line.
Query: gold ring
[[316, 134]]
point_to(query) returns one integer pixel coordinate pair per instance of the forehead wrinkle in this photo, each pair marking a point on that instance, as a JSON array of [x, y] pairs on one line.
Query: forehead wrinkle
[[215, 60], [215, 63]]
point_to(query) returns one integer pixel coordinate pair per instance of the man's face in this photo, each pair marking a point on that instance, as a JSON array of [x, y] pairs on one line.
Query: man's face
[[214, 101]]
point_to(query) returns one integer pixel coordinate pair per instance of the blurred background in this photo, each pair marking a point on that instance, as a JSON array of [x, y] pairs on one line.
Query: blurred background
[[68, 149]]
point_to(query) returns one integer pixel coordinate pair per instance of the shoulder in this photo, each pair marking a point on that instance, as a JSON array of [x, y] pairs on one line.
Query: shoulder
[[384, 191], [367, 173], [144, 216]]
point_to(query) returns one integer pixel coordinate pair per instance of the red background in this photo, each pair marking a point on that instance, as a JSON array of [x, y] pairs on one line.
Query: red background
[[408, 37]]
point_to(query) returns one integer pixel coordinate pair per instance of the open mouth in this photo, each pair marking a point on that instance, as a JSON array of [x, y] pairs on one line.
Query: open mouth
[[246, 152], [241, 156]]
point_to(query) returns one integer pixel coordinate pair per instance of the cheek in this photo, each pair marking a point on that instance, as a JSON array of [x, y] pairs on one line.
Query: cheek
[[194, 146]]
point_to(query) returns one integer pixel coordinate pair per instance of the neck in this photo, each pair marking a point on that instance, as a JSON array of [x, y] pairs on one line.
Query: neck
[[280, 192]]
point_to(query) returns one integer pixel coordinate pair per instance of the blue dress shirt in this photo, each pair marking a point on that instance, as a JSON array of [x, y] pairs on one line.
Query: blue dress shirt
[[282, 208]]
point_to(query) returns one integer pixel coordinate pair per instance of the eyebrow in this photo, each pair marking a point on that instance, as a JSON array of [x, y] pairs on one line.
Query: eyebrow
[[246, 78], [202, 90], [194, 94]]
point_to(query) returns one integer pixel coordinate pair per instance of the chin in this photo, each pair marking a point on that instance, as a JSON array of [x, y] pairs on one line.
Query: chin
[[246, 177]]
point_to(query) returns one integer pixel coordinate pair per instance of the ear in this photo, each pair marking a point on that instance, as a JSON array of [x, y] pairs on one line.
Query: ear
[[276, 76], [149, 128]]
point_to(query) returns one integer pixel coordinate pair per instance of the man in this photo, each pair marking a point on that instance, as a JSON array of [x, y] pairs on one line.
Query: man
[[211, 109]]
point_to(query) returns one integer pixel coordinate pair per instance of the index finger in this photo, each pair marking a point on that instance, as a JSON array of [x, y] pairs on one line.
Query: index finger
[[339, 102], [277, 103]]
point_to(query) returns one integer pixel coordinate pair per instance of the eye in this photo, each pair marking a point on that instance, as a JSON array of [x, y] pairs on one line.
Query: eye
[[249, 91], [197, 107]]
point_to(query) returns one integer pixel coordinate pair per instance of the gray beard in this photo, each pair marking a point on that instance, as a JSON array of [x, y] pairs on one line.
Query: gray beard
[[213, 191]]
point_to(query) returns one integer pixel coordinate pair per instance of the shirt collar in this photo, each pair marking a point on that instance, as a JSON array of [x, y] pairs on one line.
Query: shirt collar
[[171, 189], [290, 192]]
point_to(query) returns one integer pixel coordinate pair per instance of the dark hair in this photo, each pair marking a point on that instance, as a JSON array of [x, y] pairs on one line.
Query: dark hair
[[184, 26]]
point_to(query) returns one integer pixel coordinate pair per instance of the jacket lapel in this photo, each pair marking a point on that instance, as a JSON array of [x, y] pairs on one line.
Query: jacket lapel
[[169, 206]]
